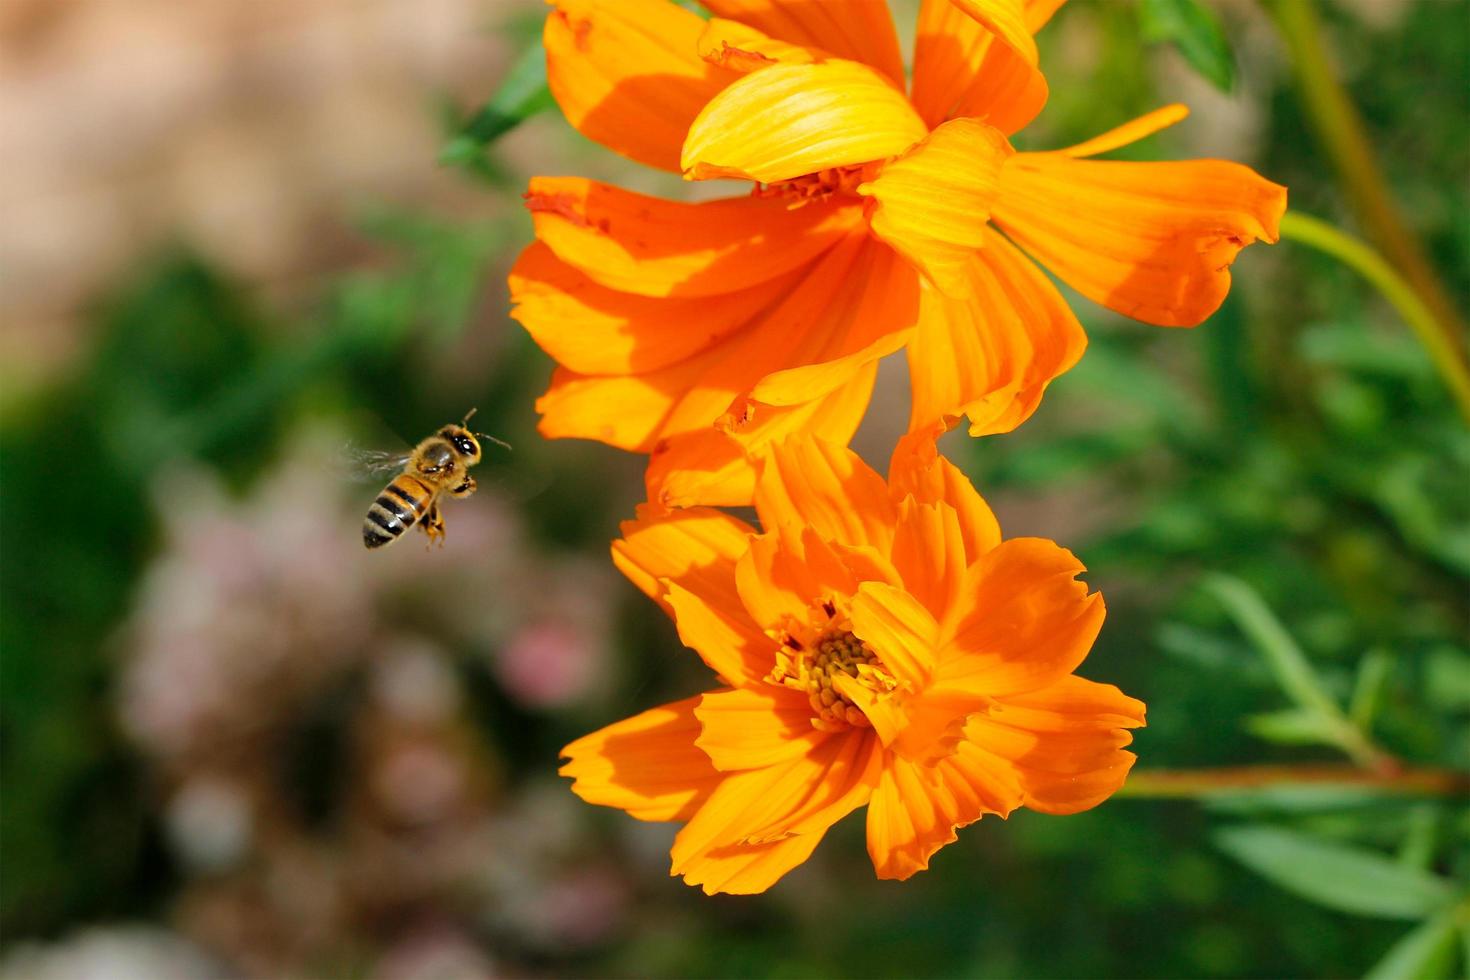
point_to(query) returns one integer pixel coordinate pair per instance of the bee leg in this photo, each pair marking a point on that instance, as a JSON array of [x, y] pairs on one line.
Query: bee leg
[[465, 488], [433, 525]]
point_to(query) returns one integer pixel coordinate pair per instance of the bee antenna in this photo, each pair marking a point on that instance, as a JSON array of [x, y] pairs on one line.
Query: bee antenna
[[499, 442], [468, 415]]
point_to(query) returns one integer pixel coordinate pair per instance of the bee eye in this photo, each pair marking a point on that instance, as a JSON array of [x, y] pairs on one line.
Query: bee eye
[[464, 445]]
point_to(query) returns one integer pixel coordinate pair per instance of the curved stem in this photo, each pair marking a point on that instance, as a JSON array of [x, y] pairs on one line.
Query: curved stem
[[1342, 134], [1441, 345], [1196, 783]]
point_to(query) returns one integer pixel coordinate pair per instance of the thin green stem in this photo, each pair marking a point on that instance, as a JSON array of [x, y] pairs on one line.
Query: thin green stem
[[1448, 358], [1201, 783], [1342, 134]]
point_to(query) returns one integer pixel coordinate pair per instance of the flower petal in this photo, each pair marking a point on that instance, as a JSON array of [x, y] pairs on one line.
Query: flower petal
[[756, 727], [791, 800], [1065, 740], [627, 74], [1025, 622], [1153, 241], [782, 576], [789, 120], [715, 466], [916, 809], [696, 548], [748, 869], [917, 469], [741, 48], [723, 635], [897, 627], [977, 58], [647, 765], [591, 329], [861, 30], [933, 203], [990, 357], [646, 245], [1130, 132], [812, 483], [929, 553]]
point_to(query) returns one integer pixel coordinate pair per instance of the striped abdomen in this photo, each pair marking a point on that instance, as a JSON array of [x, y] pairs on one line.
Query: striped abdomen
[[397, 509]]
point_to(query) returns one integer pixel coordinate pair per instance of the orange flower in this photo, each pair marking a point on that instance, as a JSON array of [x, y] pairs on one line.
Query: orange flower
[[699, 333], [877, 644]]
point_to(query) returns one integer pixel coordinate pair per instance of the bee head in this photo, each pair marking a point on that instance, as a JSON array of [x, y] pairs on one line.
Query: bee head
[[463, 441]]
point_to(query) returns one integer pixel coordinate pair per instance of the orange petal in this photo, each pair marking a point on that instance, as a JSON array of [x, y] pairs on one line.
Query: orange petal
[[917, 469], [722, 634], [748, 869], [1065, 741], [789, 120], [591, 329], [645, 245], [1129, 132], [783, 576], [933, 203], [861, 30], [990, 357], [916, 809], [1025, 621], [812, 483], [695, 548], [756, 727], [1153, 241], [977, 58], [929, 553], [802, 797], [741, 48], [627, 74], [1039, 12], [898, 628], [715, 466], [647, 765]]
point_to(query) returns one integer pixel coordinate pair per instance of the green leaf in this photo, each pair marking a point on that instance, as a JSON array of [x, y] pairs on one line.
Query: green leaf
[[1373, 672], [1348, 879], [1426, 953], [522, 94], [1193, 29], [1292, 727]]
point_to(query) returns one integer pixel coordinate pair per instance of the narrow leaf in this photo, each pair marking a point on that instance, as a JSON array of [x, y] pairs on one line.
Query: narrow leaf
[[1292, 727], [1373, 673], [1426, 953], [522, 94], [1193, 29], [1348, 879]]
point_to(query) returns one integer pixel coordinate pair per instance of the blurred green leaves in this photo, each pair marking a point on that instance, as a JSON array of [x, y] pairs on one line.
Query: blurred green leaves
[[522, 94], [1193, 29]]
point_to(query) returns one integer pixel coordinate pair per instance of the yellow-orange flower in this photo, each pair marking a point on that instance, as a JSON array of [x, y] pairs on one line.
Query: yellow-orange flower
[[879, 220], [876, 643]]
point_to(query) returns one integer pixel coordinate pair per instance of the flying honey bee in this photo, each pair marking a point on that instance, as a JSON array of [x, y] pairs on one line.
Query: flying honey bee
[[436, 466]]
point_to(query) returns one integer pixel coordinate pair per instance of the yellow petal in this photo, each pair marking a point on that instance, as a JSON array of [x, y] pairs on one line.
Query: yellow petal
[[1130, 132], [741, 48], [933, 203], [789, 120], [860, 30]]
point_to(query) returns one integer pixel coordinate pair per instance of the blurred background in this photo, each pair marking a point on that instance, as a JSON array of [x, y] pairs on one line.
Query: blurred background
[[239, 236]]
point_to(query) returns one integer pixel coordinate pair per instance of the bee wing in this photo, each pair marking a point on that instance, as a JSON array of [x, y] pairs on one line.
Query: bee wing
[[373, 462]]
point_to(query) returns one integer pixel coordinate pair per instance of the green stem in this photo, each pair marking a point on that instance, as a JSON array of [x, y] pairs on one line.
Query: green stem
[[1198, 783], [1442, 348], [1342, 134]]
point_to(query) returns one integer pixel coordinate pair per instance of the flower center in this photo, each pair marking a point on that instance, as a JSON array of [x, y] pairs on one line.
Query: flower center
[[821, 669], [818, 186]]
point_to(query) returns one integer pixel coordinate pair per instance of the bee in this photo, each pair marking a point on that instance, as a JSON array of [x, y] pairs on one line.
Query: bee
[[436, 466]]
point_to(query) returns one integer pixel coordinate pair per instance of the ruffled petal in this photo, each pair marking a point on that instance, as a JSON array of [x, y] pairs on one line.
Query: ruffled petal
[[916, 809], [861, 30], [715, 466], [919, 471], [627, 74], [1153, 241], [696, 548], [591, 329], [933, 203], [647, 765], [786, 121], [645, 245], [722, 634], [1025, 622], [897, 627], [929, 553], [1065, 741], [756, 727], [977, 58], [812, 483], [748, 869], [990, 357], [791, 800]]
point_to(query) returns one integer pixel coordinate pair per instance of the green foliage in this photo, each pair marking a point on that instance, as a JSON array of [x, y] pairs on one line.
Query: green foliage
[[1195, 31], [522, 94]]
